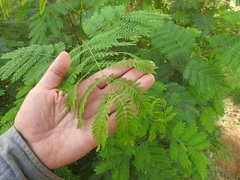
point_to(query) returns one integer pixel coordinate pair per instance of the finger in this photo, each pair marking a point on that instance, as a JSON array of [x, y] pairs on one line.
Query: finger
[[146, 81], [91, 108], [111, 70], [132, 74], [83, 86], [112, 122], [87, 130], [92, 105], [56, 72], [111, 125], [97, 94]]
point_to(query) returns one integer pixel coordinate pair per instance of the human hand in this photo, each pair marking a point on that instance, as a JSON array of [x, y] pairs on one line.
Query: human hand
[[50, 129]]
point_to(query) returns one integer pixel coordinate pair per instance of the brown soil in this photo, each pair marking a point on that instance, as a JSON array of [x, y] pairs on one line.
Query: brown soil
[[230, 126]]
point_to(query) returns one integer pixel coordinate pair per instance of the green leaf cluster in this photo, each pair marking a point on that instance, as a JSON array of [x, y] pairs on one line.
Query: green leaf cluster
[[26, 65]]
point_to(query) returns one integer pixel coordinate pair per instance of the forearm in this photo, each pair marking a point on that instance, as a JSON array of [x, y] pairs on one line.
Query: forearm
[[17, 161]]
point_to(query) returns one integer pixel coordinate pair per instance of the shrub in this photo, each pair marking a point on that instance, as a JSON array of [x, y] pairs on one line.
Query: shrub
[[195, 46]]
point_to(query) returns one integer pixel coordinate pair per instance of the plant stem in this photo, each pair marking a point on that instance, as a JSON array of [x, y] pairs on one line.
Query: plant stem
[[81, 31], [81, 22], [74, 30]]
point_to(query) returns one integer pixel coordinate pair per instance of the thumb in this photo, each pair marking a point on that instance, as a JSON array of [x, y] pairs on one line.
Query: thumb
[[56, 72]]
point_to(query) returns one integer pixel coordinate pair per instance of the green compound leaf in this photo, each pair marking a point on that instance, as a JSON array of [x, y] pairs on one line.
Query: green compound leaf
[[5, 8], [100, 124], [42, 5]]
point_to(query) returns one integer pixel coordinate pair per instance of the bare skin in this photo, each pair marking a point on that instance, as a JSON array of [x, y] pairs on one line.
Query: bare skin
[[50, 129]]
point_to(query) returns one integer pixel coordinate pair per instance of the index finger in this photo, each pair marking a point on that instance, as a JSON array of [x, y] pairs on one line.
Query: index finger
[[117, 71]]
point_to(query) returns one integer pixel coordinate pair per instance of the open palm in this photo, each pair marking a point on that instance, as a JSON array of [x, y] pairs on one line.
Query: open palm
[[50, 129]]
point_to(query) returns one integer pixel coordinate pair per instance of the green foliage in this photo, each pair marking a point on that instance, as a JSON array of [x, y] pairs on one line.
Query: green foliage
[[195, 45], [144, 66], [1, 92], [204, 22], [235, 95], [185, 104], [42, 5], [207, 118], [187, 147], [83, 100], [128, 25], [23, 2], [150, 161], [206, 78], [24, 62], [66, 173], [112, 155], [100, 125], [159, 115], [48, 25], [26, 65], [4, 7], [227, 52], [175, 42]]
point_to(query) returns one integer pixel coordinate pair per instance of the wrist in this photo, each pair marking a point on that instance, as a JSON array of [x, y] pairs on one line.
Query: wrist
[[38, 150]]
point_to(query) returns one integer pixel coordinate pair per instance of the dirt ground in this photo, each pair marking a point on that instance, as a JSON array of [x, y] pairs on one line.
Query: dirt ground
[[231, 119], [230, 125]]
